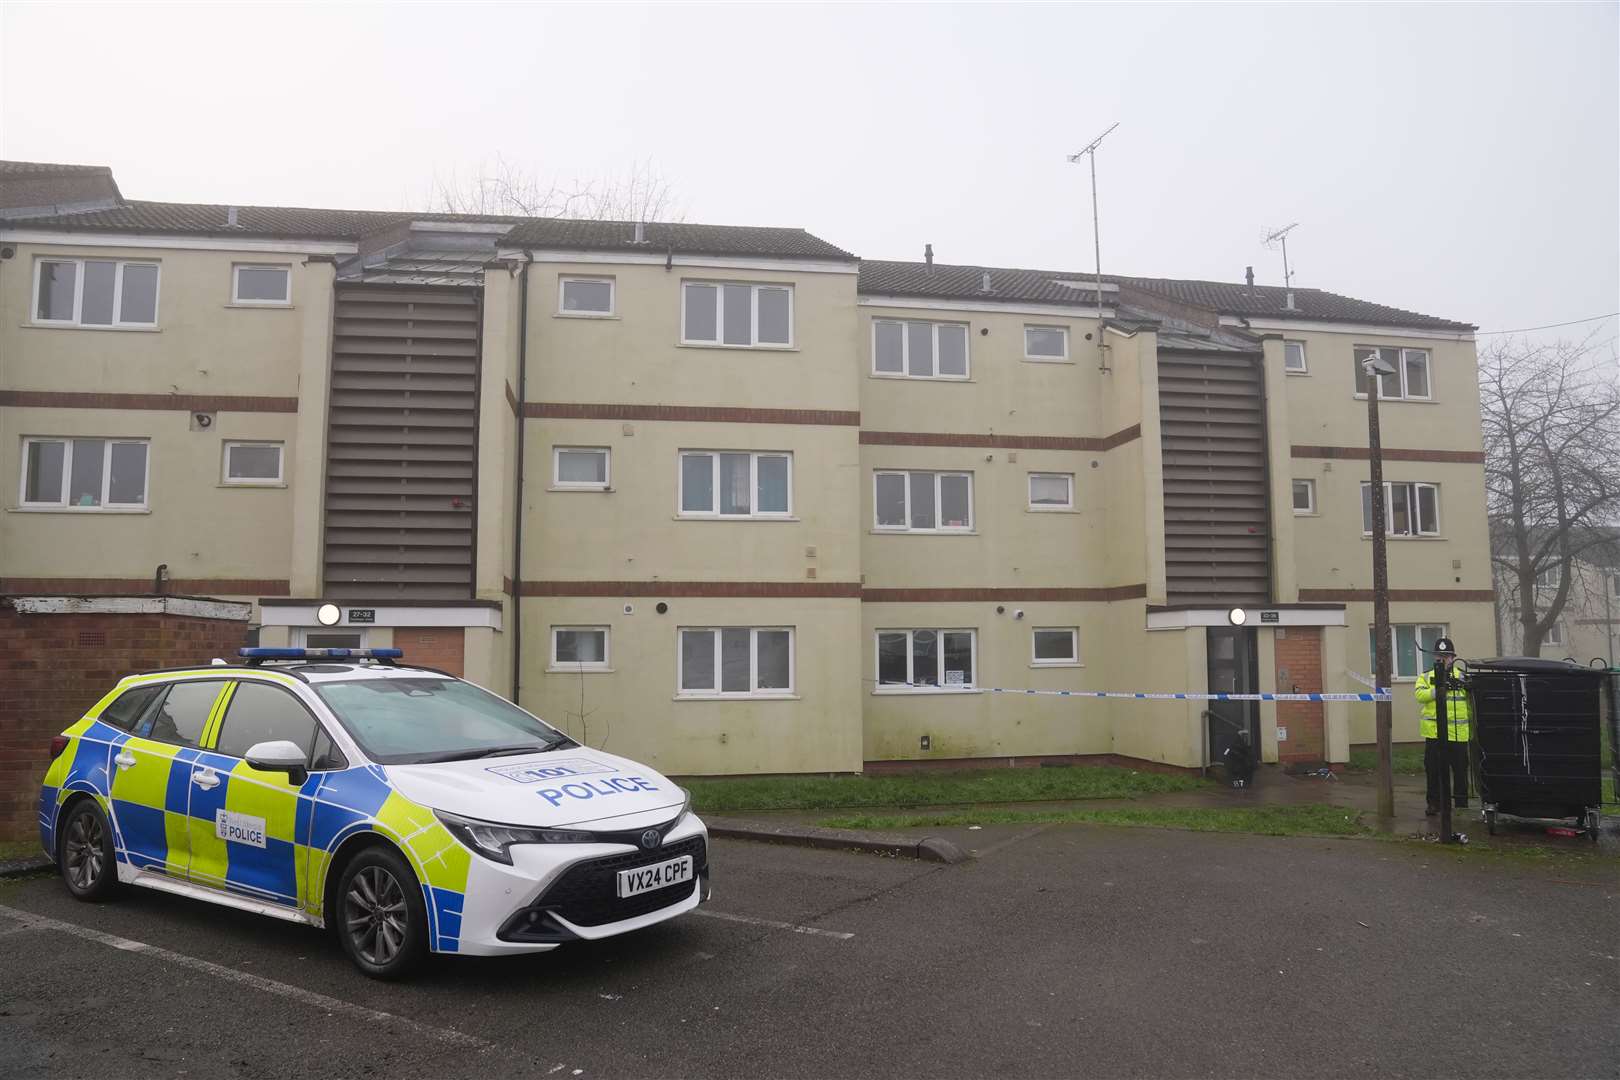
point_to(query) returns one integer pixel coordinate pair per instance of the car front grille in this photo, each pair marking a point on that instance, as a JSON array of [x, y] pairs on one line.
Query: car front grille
[[588, 894]]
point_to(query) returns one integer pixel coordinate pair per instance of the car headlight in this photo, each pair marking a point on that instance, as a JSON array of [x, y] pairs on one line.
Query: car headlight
[[494, 841]]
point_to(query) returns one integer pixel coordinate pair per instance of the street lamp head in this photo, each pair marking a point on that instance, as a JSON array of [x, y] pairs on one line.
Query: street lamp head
[[1377, 365]]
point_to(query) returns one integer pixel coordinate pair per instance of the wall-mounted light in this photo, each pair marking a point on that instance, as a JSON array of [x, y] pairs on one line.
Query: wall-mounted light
[[1237, 616], [328, 614]]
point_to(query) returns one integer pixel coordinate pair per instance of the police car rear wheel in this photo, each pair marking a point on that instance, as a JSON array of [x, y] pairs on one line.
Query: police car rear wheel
[[382, 921], [86, 855]]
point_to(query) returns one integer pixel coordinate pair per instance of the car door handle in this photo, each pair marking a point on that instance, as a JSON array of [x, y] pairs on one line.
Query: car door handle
[[207, 779], [124, 760]]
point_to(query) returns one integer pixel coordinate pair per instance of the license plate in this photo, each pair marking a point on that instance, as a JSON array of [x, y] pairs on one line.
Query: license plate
[[657, 876]]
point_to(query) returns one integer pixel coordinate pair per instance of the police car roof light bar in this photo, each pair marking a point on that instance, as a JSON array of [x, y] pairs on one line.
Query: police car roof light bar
[[258, 656]]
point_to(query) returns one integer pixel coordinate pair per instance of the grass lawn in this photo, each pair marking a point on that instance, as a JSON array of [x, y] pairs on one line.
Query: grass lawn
[[1310, 820], [20, 849], [931, 789], [1408, 760]]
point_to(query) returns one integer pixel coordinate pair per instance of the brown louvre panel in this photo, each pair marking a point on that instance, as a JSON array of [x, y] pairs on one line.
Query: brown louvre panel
[[1216, 480], [401, 461]]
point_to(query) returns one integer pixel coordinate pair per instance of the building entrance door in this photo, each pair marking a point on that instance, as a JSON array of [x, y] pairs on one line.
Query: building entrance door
[[1234, 668]]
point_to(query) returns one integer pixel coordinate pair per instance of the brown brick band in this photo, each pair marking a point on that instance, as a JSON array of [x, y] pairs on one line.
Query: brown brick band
[[710, 414], [1361, 453], [753, 589], [1424, 596], [54, 399], [1002, 442], [143, 586], [928, 596], [511, 401]]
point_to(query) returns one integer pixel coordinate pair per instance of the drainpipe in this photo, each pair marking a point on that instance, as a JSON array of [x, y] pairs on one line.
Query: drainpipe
[[517, 524]]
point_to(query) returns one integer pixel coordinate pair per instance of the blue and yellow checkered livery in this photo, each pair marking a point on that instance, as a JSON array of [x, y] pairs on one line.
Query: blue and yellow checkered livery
[[168, 806]]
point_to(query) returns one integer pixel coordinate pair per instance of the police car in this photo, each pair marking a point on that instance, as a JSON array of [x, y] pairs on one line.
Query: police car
[[406, 809]]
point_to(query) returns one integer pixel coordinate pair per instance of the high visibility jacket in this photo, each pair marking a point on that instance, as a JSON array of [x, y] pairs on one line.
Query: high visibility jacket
[[1458, 714]]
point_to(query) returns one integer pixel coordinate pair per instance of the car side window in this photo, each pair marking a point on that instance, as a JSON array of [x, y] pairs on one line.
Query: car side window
[[326, 757], [182, 714], [259, 713], [131, 704]]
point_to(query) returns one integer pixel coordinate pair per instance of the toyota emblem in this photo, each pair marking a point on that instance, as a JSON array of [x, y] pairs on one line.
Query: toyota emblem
[[650, 838]]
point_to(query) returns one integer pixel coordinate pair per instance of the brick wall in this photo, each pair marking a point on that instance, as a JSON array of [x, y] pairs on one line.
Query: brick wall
[[1299, 650], [439, 647], [54, 667]]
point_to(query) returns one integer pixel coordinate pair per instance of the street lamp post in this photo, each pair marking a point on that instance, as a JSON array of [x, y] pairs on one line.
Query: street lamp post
[[1383, 708]]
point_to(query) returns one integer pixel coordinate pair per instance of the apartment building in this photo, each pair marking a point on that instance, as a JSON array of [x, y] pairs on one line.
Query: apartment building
[[1588, 629], [728, 498]]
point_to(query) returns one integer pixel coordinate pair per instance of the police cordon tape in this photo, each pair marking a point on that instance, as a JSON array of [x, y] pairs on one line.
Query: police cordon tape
[[1144, 695], [1364, 680]]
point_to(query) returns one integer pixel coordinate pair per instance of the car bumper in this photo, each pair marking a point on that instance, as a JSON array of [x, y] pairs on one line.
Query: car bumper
[[555, 893]]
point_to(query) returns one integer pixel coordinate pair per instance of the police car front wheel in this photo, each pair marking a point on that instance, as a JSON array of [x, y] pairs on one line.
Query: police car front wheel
[[85, 852], [381, 919]]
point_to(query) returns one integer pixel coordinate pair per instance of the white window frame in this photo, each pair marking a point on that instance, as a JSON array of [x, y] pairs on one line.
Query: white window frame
[[1614, 584], [78, 294], [938, 474], [1072, 660], [754, 288], [227, 479], [1442, 630], [1310, 490], [61, 502], [911, 686], [1400, 370], [559, 484], [1555, 634], [605, 664], [613, 297], [1304, 367], [1041, 508], [791, 690], [1064, 330], [714, 485], [236, 284], [1412, 509], [905, 350]]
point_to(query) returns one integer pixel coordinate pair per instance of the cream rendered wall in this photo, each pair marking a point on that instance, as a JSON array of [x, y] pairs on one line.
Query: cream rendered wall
[[1470, 626], [635, 710], [497, 432]]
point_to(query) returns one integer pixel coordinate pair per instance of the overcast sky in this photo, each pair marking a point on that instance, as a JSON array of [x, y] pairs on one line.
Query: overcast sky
[[1460, 160]]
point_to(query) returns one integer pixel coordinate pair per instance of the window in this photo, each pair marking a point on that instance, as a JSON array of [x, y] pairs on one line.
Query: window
[[406, 721], [1409, 380], [258, 713], [1046, 343], [1294, 357], [251, 463], [1614, 585], [1412, 646], [582, 468], [1554, 635], [1051, 491], [736, 661], [1548, 578], [925, 660], [95, 292], [1409, 509], [718, 483], [1305, 497], [744, 316], [1056, 645], [129, 707], [267, 285], [924, 501], [579, 648], [585, 296], [919, 350], [84, 474], [183, 713]]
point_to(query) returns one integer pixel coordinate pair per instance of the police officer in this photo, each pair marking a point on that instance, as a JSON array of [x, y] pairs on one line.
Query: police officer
[[1457, 730]]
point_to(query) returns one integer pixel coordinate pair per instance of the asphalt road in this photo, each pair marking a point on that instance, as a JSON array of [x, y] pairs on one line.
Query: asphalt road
[[1071, 951]]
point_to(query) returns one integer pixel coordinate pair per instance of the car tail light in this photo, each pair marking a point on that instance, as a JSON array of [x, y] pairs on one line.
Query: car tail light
[[59, 743]]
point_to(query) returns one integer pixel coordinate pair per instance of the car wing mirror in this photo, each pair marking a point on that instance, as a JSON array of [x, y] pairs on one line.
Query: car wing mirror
[[279, 755]]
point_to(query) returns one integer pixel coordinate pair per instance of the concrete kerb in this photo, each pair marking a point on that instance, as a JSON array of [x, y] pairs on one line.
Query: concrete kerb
[[28, 864], [926, 848]]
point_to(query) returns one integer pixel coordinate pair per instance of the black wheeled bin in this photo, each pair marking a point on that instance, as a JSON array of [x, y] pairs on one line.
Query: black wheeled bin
[[1537, 735]]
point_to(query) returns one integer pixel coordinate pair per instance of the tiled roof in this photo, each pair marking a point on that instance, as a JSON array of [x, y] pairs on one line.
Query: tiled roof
[[310, 224], [941, 282], [1270, 301], [47, 168], [661, 236]]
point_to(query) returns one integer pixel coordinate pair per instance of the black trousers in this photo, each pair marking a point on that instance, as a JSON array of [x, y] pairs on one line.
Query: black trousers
[[1434, 763]]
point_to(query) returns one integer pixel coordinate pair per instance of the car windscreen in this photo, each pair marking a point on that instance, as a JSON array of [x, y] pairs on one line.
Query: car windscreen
[[410, 721]]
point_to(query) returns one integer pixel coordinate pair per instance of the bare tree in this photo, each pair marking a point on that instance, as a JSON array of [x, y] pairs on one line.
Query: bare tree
[[1552, 470], [505, 189]]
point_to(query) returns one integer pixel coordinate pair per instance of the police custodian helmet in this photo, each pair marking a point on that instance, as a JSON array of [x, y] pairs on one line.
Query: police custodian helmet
[[1445, 647]]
